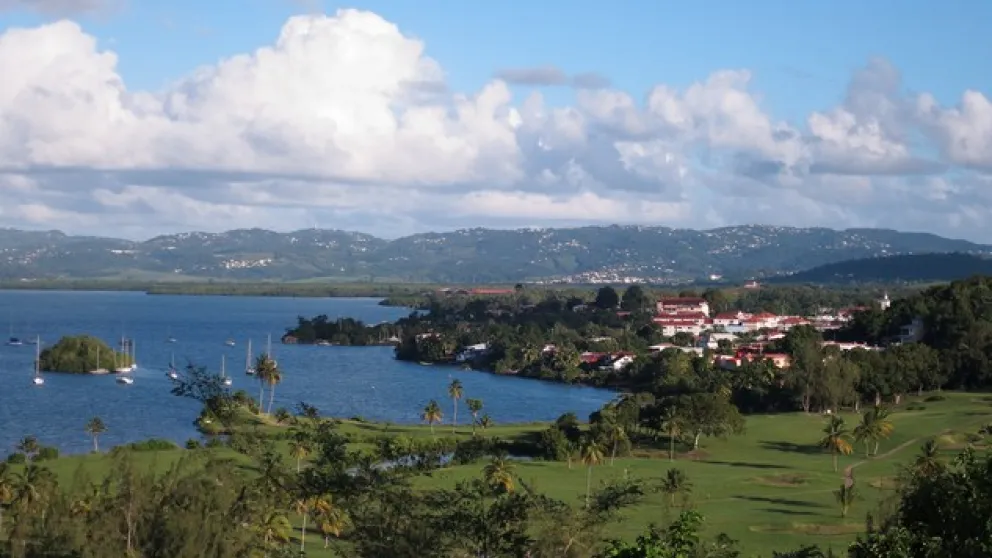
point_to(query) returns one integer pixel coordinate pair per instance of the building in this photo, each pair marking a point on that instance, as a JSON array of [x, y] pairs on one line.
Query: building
[[674, 305], [884, 303]]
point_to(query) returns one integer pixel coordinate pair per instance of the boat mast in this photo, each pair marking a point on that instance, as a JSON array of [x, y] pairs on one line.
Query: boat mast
[[37, 356]]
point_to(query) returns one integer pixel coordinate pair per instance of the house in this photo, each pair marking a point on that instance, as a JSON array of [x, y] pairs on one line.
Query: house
[[621, 361], [471, 352], [712, 340], [849, 346], [670, 325], [592, 358], [752, 285], [682, 304], [725, 319]]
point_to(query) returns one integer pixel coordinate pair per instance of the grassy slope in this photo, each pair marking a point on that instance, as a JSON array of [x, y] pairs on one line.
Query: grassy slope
[[771, 488]]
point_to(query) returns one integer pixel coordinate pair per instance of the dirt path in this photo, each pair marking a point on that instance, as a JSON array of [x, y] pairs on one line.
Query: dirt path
[[850, 468]]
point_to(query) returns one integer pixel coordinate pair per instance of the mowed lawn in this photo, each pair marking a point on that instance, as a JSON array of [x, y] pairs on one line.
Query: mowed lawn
[[771, 488]]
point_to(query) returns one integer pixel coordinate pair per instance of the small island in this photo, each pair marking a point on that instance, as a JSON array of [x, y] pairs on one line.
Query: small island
[[82, 354]]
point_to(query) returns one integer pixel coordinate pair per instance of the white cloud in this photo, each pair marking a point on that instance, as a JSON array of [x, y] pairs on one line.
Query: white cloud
[[346, 121]]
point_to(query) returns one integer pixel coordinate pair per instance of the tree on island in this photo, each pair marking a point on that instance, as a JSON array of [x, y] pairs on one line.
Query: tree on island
[[81, 354], [94, 428]]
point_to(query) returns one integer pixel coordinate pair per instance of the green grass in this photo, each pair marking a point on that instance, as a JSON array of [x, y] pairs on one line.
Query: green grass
[[770, 488]]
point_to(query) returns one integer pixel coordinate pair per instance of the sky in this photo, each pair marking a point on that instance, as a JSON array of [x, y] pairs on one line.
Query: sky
[[133, 118]]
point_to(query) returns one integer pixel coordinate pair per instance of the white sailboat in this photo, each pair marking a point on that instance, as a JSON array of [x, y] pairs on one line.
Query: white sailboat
[[122, 367], [172, 373], [230, 343], [98, 370], [134, 356], [125, 380], [228, 381], [38, 380], [249, 369], [13, 341]]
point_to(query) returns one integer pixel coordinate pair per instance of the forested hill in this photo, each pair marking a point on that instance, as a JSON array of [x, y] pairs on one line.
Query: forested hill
[[907, 268], [578, 255]]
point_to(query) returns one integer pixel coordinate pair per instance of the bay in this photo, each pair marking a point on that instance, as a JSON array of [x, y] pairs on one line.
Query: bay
[[340, 381]]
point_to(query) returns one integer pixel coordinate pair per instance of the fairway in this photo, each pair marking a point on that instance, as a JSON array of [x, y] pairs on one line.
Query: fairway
[[771, 488]]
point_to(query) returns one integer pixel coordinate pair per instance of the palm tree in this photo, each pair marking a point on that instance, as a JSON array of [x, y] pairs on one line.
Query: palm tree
[[672, 424], [455, 392], [499, 474], [836, 438], [273, 376], [299, 449], [928, 460], [591, 455], [330, 519], [94, 428], [7, 487], [485, 422], [616, 435], [432, 414], [676, 482], [274, 528], [29, 446], [474, 407], [32, 488], [875, 426], [304, 506], [263, 367], [845, 496]]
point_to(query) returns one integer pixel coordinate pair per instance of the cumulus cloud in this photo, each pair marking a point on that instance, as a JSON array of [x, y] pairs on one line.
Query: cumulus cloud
[[346, 121]]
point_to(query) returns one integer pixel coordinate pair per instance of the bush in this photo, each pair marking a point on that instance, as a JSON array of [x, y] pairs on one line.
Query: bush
[[934, 398], [915, 407], [153, 444], [17, 458], [214, 442], [47, 453], [193, 444]]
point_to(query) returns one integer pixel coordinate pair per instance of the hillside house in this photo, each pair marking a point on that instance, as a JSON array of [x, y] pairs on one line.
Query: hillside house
[[712, 340], [673, 305]]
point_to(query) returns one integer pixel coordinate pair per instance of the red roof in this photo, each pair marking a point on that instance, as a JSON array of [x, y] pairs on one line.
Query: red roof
[[765, 316], [730, 316], [591, 358], [675, 321]]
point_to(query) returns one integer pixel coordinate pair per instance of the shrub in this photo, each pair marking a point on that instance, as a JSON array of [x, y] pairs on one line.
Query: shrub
[[193, 444], [153, 444], [17, 458], [915, 407], [47, 453], [214, 442], [934, 398]]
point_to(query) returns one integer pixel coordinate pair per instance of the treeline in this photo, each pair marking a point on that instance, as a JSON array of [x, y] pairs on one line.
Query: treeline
[[342, 331], [307, 290]]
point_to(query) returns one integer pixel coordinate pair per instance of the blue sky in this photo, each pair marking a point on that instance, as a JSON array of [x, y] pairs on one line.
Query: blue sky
[[334, 126], [801, 53]]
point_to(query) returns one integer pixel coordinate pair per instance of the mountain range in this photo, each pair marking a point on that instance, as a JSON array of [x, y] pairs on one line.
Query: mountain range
[[570, 255]]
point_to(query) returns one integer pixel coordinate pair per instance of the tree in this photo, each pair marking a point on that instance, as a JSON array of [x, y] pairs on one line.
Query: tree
[[474, 407], [7, 488], [304, 507], [498, 475], [331, 520], [455, 392], [299, 448], [846, 495], [675, 482], [265, 367], [591, 455], [927, 462], [94, 428], [485, 422], [635, 299], [29, 446], [875, 426], [432, 414], [836, 439], [607, 298], [709, 414]]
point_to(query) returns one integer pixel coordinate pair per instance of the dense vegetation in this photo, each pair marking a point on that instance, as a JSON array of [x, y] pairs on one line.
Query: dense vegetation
[[466, 256], [889, 270], [81, 354]]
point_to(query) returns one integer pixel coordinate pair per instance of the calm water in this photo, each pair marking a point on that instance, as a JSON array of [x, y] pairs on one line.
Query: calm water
[[340, 381]]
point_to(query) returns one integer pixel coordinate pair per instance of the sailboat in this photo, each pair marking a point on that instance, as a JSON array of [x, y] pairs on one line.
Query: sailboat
[[13, 341], [38, 380], [230, 343], [172, 373], [125, 380], [134, 356], [249, 369], [223, 371], [169, 338], [123, 367], [98, 370]]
